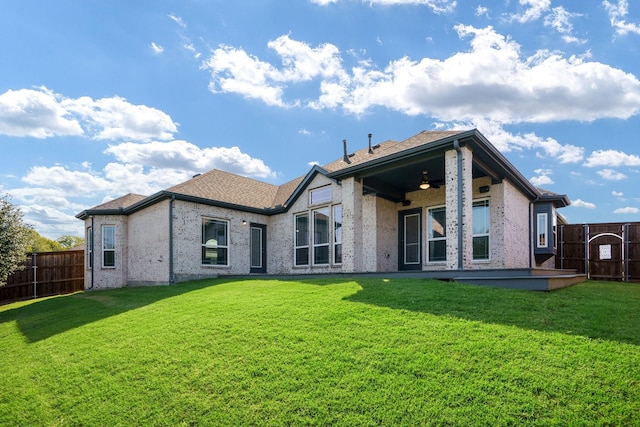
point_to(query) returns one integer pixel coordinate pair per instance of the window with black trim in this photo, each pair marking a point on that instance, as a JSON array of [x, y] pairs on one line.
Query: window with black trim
[[321, 236], [215, 241], [437, 234], [89, 247], [109, 246], [337, 234], [301, 239], [481, 227]]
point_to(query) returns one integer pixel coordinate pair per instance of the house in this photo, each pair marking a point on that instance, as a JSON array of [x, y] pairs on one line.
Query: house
[[445, 204]]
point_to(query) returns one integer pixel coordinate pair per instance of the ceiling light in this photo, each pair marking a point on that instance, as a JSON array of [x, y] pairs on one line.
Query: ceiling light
[[425, 182]]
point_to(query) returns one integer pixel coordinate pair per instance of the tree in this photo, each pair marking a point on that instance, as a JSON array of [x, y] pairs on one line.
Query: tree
[[14, 239], [39, 243], [69, 242]]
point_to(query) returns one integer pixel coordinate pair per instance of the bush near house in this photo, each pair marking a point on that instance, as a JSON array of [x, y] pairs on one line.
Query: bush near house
[[323, 352]]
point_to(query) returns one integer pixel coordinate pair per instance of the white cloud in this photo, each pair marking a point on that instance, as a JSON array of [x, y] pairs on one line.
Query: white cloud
[[617, 13], [178, 20], [491, 81], [506, 141], [235, 71], [611, 175], [156, 48], [183, 155], [543, 177], [627, 210], [41, 113], [612, 158], [438, 6], [66, 182], [617, 193], [560, 20], [35, 113], [482, 11], [534, 9], [115, 118], [582, 204]]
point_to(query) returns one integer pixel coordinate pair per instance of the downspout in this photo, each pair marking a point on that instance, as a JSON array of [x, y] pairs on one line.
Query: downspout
[[456, 145], [171, 278], [532, 238], [93, 250]]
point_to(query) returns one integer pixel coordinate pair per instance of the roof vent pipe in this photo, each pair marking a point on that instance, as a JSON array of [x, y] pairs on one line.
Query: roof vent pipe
[[346, 156], [370, 149]]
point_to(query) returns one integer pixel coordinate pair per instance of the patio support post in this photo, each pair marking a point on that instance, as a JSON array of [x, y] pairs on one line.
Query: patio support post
[[458, 180]]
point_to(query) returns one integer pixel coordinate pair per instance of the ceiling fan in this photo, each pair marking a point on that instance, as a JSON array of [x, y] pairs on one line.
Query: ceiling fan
[[425, 184]]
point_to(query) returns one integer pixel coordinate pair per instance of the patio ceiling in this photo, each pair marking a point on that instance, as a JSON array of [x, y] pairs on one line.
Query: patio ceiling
[[393, 181]]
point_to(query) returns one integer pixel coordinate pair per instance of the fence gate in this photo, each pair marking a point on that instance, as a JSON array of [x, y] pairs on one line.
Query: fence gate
[[601, 251]]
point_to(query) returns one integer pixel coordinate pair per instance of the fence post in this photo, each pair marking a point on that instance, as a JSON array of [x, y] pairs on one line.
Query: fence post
[[586, 251], [625, 233], [35, 276]]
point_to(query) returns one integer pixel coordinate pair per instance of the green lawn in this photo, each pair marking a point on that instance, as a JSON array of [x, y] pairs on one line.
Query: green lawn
[[323, 352]]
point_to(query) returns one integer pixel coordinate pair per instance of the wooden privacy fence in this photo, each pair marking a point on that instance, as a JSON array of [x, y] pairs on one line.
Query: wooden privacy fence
[[46, 274], [601, 251]]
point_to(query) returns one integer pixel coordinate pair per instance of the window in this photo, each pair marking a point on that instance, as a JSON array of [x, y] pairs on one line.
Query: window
[[541, 240], [321, 236], [337, 234], [481, 226], [554, 224], [437, 234], [108, 246], [215, 242], [89, 244], [320, 195], [302, 239]]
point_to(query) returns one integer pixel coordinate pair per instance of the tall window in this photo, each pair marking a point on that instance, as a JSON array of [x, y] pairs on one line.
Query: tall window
[[481, 226], [108, 246], [215, 242], [302, 239], [321, 236], [541, 240], [337, 234], [554, 227], [89, 244], [437, 234]]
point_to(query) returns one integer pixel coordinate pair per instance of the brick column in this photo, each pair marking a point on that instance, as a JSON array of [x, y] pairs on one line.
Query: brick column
[[351, 225], [454, 184]]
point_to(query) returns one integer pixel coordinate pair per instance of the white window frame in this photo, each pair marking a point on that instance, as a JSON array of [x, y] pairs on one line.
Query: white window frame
[[302, 242], [105, 249], [487, 234], [542, 231], [430, 237], [218, 245], [320, 195]]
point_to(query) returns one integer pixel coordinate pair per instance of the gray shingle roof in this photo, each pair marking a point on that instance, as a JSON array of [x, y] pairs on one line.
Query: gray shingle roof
[[238, 190], [121, 202]]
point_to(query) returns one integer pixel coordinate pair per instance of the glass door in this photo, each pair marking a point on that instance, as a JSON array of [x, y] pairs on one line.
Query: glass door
[[410, 240]]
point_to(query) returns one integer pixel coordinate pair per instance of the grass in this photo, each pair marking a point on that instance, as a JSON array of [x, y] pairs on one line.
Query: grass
[[323, 352]]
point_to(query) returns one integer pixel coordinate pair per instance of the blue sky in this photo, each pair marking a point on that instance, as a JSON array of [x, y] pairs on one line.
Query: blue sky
[[99, 99]]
